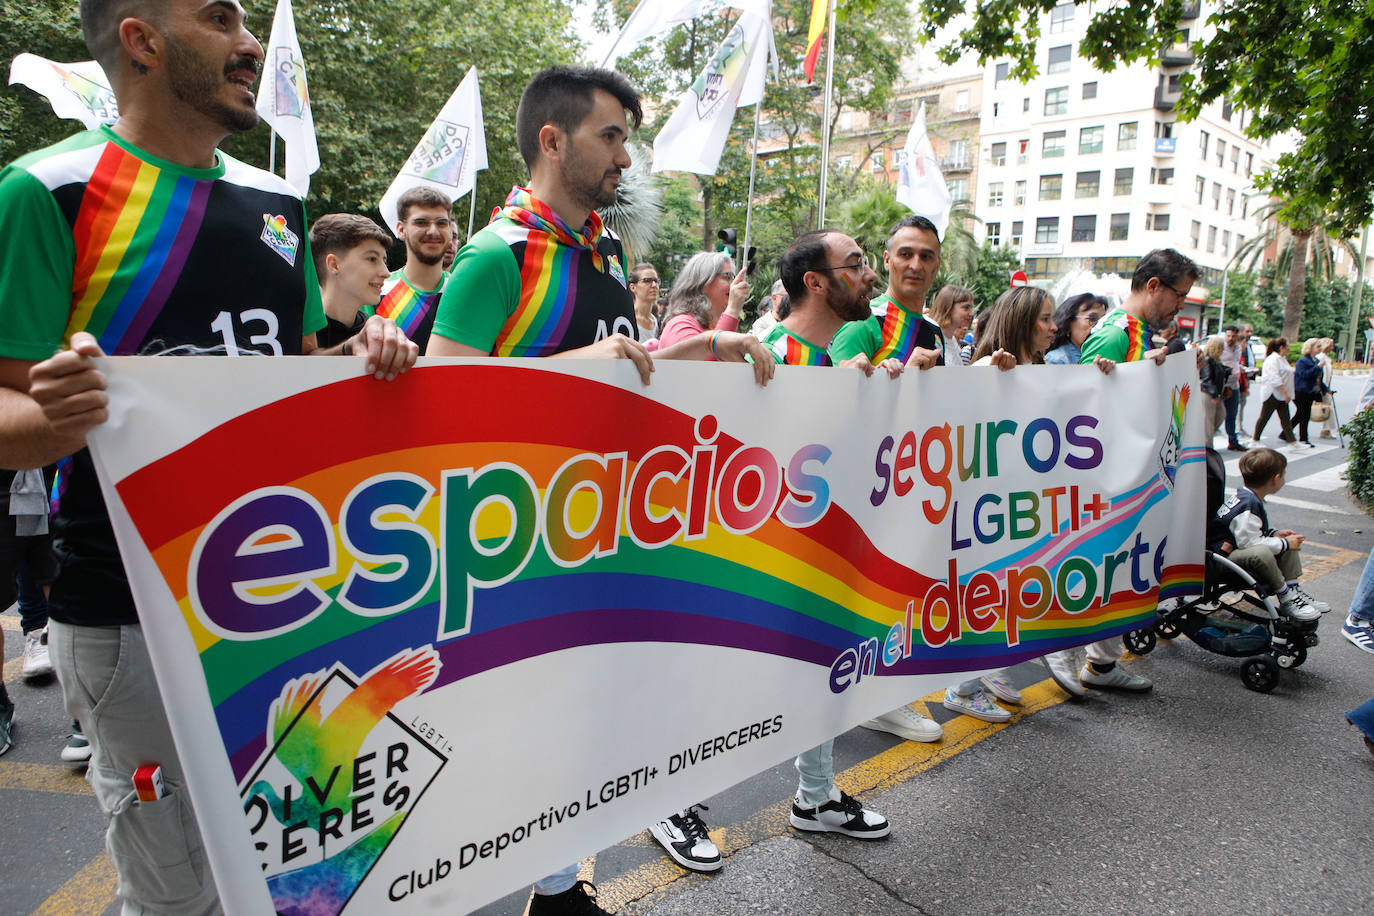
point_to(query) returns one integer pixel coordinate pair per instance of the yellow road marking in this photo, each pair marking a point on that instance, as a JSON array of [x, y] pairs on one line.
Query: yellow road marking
[[884, 771], [13, 668], [90, 890], [41, 777], [8, 622], [1328, 562]]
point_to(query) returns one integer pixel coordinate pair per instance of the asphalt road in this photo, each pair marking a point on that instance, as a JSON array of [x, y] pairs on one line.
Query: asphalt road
[[1200, 797]]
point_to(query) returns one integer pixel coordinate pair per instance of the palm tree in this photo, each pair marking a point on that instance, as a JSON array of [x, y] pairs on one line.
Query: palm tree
[[1299, 230], [870, 212]]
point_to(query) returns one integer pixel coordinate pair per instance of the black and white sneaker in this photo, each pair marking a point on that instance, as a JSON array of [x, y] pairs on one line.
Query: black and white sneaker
[[840, 814], [684, 837]]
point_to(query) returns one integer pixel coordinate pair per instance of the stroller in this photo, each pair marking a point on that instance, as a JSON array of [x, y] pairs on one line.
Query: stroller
[[1234, 616]]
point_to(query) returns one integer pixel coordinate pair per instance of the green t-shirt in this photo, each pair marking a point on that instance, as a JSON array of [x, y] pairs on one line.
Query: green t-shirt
[[1119, 336], [892, 332], [790, 350], [521, 289]]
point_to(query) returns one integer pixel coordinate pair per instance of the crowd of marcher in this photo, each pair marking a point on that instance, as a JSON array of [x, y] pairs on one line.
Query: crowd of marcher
[[543, 279]]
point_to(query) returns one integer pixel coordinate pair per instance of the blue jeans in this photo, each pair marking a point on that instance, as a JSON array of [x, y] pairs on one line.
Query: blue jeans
[[33, 604], [1232, 408], [816, 769], [1362, 605], [558, 882]]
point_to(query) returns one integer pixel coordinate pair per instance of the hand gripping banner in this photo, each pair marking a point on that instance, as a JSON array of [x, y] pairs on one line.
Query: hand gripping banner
[[423, 642]]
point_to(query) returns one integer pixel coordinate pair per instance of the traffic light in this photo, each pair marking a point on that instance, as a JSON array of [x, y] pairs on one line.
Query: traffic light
[[749, 259], [729, 241]]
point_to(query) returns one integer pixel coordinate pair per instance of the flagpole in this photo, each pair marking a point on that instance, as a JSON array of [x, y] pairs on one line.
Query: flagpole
[[472, 205], [825, 126], [272, 152], [753, 168]]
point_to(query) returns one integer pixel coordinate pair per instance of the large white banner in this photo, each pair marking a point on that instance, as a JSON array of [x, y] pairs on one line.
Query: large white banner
[[423, 642]]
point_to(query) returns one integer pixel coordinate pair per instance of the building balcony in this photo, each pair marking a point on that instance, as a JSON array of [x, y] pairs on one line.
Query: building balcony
[[1166, 99], [955, 163], [1177, 55]]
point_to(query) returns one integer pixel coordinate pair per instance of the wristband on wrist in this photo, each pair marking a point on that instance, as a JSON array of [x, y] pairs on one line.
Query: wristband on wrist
[[712, 342]]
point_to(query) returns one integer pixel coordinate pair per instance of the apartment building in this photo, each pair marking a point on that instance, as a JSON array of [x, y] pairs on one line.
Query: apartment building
[[1091, 170]]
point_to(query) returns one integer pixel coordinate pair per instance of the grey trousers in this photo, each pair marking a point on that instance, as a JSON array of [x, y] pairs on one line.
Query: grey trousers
[[108, 685]]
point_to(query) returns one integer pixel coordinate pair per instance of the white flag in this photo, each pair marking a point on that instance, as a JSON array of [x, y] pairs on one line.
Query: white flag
[[653, 17], [450, 154], [284, 99], [921, 186], [695, 135], [78, 91]]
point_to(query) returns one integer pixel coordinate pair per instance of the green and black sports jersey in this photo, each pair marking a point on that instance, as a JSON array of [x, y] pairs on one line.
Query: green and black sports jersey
[[528, 285], [147, 256]]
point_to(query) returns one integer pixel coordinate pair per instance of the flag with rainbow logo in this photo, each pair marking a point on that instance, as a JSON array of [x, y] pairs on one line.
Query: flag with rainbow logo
[[374, 608]]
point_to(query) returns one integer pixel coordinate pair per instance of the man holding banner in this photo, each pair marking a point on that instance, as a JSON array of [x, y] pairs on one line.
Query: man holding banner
[[150, 238], [530, 284], [829, 283]]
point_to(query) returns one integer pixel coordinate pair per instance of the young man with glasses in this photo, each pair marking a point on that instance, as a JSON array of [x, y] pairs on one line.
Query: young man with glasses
[[411, 296], [1159, 285]]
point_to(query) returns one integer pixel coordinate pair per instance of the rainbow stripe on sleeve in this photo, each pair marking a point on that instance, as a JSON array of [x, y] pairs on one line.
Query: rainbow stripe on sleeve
[[548, 275], [899, 332], [133, 233], [407, 306]]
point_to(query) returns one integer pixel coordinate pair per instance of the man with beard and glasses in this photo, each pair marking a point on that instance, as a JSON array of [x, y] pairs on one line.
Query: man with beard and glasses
[[409, 298], [828, 283], [544, 278], [137, 238]]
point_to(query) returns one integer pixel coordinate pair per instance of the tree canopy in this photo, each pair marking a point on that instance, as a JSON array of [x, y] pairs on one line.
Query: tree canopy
[[1304, 67]]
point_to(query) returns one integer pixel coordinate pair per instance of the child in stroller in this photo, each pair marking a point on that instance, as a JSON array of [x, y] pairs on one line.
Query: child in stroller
[[1270, 623]]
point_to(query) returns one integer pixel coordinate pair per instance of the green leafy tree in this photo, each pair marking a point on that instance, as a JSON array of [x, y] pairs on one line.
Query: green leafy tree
[[1304, 67], [378, 72], [992, 275]]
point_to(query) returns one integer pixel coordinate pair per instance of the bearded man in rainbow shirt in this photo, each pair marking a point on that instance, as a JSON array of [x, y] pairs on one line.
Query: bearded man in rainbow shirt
[[1159, 287]]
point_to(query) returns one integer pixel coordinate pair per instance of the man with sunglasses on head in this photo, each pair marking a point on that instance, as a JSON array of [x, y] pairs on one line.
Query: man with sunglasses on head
[[1159, 286]]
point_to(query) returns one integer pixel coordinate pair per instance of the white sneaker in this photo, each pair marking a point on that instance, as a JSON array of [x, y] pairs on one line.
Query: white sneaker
[[1293, 606], [1306, 598], [1115, 679], [37, 661], [905, 722], [1063, 667], [979, 705], [1001, 688]]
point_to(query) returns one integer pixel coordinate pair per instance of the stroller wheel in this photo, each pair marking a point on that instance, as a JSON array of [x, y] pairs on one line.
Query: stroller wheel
[[1293, 659], [1260, 673], [1141, 642], [1167, 629]]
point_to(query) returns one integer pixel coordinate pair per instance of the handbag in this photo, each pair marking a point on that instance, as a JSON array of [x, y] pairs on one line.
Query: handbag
[[1320, 411]]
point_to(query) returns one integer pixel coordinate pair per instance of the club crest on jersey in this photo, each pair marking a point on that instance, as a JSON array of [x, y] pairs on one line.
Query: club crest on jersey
[[280, 238], [616, 270]]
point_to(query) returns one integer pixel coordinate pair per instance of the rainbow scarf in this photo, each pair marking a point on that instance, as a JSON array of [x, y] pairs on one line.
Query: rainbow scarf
[[406, 305], [899, 330], [548, 272], [133, 233]]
